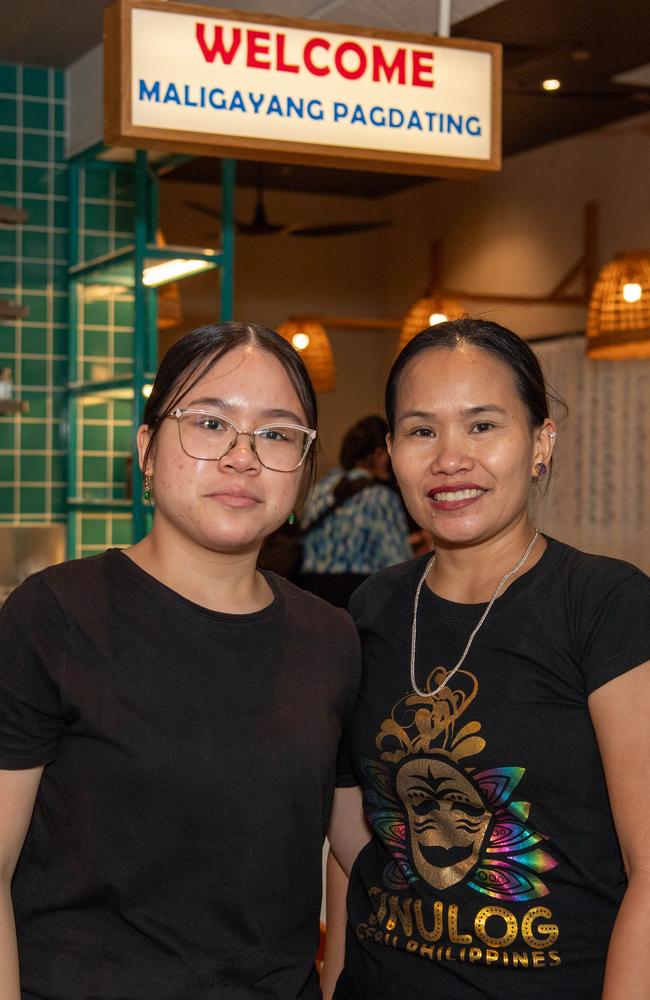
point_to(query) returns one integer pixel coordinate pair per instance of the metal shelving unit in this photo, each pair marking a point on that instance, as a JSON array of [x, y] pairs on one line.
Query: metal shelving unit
[[126, 267]]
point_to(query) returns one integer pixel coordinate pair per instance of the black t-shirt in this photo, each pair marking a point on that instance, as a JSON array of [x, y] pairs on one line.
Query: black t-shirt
[[175, 847], [494, 870]]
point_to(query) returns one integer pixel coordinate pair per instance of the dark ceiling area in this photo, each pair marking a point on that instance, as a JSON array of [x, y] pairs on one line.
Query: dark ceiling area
[[583, 43]]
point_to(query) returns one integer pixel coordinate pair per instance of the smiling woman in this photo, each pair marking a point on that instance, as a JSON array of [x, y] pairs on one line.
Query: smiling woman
[[170, 715], [503, 678]]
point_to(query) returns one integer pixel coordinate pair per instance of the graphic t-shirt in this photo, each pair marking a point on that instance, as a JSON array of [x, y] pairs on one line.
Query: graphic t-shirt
[[494, 870], [175, 847]]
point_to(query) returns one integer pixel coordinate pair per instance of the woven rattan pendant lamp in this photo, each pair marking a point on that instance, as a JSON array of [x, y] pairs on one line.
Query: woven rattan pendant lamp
[[311, 340], [428, 311], [618, 322]]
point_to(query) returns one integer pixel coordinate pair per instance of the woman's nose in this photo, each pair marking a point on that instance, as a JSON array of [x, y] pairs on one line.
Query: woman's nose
[[451, 453], [242, 457]]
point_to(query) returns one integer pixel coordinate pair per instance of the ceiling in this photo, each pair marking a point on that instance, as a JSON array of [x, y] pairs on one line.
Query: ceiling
[[587, 44]]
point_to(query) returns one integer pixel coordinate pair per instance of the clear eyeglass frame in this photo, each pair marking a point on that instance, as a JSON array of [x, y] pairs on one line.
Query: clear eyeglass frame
[[309, 433]]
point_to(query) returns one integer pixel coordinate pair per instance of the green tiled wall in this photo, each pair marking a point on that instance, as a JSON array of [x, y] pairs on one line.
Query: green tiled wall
[[33, 260], [33, 272]]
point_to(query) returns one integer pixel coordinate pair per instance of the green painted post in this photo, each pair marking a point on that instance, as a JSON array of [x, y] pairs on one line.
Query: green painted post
[[73, 323], [228, 238], [139, 329]]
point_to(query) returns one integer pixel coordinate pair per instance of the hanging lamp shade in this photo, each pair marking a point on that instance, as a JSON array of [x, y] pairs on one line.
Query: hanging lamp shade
[[618, 321], [311, 341], [428, 311]]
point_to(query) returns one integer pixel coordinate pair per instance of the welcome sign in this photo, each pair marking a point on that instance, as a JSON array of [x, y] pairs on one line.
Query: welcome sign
[[200, 80]]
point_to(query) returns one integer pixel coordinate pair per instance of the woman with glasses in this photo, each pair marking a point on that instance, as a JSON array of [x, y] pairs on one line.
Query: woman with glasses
[[170, 716]]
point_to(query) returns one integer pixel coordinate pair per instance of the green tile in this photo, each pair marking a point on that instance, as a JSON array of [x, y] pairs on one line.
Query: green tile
[[61, 214], [97, 410], [124, 186], [60, 277], [95, 313], [59, 468], [36, 147], [8, 144], [33, 499], [60, 341], [7, 78], [123, 344], [94, 469], [37, 209], [87, 553], [97, 183], [35, 114], [35, 275], [7, 435], [33, 469], [95, 246], [7, 274], [33, 437], [59, 505], [122, 437], [124, 313], [8, 112], [60, 373], [60, 246], [94, 438], [37, 305], [36, 180], [119, 469], [7, 471], [7, 242], [7, 340], [59, 83], [60, 308], [60, 181], [122, 532], [94, 531], [35, 244], [35, 81], [95, 343], [96, 217], [124, 218], [122, 368], [7, 175], [123, 410], [37, 404], [6, 500], [59, 117], [59, 148], [34, 340], [34, 372]]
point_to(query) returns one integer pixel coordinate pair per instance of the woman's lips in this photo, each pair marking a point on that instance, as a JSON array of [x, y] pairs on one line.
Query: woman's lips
[[234, 498], [455, 497]]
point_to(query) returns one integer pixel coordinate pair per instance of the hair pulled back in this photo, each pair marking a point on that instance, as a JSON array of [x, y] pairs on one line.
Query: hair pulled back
[[496, 340], [191, 357]]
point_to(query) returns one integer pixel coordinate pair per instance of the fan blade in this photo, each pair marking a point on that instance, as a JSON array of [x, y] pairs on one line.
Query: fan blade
[[332, 228]]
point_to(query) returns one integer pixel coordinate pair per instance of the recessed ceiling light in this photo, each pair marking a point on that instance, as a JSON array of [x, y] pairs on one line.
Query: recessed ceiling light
[[551, 84]]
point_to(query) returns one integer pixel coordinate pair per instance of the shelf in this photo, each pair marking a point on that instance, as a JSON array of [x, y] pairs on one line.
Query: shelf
[[13, 406], [117, 268]]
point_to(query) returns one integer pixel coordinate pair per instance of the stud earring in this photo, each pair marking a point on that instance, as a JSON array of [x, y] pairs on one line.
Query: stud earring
[[541, 470], [148, 488], [292, 517]]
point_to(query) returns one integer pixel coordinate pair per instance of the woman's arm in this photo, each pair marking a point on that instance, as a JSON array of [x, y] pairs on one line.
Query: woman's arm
[[348, 832], [620, 711], [336, 921], [17, 796]]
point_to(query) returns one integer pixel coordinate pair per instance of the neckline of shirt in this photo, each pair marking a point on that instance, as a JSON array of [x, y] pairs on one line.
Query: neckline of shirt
[[456, 611], [248, 618]]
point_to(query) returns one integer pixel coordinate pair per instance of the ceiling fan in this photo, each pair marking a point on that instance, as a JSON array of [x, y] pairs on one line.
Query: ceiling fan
[[261, 225]]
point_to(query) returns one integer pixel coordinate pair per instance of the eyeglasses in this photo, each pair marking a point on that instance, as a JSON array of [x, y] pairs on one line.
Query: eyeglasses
[[209, 436]]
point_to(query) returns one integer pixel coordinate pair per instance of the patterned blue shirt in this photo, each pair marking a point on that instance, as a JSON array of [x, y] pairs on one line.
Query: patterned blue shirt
[[367, 532]]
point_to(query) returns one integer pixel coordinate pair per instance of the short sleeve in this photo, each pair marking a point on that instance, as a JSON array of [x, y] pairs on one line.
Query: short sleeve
[[615, 635], [33, 651]]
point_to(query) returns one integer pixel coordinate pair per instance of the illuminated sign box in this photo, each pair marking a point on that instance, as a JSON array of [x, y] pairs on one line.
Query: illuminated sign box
[[201, 80]]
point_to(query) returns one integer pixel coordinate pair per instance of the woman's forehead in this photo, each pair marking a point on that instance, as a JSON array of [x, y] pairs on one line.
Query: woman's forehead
[[465, 374]]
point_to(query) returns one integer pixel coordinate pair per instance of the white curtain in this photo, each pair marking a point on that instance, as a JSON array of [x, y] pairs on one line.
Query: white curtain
[[598, 498]]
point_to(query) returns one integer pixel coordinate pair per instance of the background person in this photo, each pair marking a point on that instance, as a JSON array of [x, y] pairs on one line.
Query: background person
[[170, 716], [500, 737], [355, 523]]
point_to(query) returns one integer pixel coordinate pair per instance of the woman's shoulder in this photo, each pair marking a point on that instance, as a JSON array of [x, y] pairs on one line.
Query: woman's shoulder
[[309, 608], [591, 569], [385, 592]]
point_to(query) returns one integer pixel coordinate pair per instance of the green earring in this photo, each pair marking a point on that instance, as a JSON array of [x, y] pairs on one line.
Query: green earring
[[291, 518], [147, 494]]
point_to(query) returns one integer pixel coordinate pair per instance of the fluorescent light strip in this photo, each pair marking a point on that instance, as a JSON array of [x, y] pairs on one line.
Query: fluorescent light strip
[[170, 270]]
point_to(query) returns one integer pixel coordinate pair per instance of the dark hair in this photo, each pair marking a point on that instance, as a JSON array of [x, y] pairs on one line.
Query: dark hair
[[362, 440], [501, 343], [191, 357]]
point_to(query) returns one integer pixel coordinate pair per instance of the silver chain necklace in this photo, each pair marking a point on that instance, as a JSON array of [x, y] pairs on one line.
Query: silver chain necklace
[[502, 582]]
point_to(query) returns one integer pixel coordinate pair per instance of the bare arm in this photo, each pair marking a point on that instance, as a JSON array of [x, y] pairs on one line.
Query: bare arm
[[336, 923], [620, 711], [348, 831], [17, 796]]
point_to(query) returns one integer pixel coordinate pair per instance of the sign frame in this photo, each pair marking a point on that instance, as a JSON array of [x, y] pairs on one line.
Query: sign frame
[[119, 129]]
